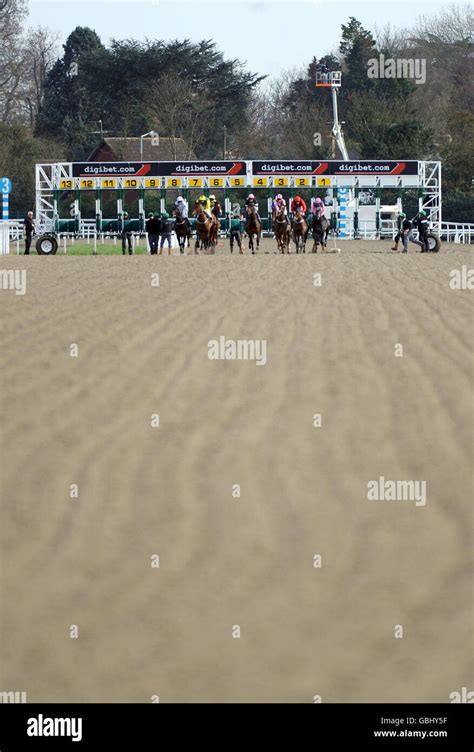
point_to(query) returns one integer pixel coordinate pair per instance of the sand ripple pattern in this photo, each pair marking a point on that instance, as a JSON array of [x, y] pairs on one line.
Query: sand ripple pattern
[[227, 561]]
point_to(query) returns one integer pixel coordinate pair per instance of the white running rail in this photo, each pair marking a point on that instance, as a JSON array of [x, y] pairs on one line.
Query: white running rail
[[10, 232], [4, 238], [457, 232]]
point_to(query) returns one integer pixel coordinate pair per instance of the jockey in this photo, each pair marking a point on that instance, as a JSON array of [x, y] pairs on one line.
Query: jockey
[[252, 201], [213, 202], [181, 207], [206, 205], [317, 207], [299, 204], [278, 204]]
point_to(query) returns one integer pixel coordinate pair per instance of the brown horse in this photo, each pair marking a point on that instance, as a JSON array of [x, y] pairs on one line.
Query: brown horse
[[320, 230], [300, 230], [253, 227], [281, 227], [204, 228], [182, 228]]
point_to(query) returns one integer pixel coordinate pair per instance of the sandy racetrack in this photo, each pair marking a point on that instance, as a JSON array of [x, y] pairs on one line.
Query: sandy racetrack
[[228, 561]]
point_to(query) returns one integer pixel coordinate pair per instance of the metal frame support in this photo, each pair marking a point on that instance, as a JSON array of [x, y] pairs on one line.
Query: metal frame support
[[431, 200]]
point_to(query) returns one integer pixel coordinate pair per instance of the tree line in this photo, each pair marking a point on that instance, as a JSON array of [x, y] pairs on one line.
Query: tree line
[[51, 100]]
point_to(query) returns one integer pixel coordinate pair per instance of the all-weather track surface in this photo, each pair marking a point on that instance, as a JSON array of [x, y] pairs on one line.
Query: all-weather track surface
[[225, 560]]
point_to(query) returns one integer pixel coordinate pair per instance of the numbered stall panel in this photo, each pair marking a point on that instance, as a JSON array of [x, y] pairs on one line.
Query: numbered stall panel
[[195, 182], [87, 184], [260, 182], [153, 183], [302, 182], [215, 182], [174, 182], [131, 183], [108, 184], [280, 182]]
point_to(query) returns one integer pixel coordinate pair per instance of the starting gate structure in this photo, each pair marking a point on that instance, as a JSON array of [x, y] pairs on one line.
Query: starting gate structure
[[142, 184]]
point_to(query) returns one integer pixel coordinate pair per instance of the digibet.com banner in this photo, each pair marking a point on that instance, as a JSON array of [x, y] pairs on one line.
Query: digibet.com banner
[[158, 169], [309, 167]]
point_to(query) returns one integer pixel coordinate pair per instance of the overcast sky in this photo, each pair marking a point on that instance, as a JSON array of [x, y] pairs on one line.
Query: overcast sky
[[271, 36]]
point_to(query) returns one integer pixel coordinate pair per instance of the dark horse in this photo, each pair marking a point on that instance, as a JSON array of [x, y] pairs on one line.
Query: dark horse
[[253, 227], [300, 230], [182, 228], [320, 229]]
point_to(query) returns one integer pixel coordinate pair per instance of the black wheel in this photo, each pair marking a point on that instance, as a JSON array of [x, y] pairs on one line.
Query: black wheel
[[46, 245], [434, 243]]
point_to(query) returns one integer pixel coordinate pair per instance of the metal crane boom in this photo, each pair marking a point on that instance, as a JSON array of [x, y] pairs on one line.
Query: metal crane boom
[[336, 128]]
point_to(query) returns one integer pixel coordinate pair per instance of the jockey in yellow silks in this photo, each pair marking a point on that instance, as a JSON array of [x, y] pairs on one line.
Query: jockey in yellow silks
[[206, 204]]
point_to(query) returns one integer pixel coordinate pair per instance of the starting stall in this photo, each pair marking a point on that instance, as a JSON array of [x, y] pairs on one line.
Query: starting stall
[[82, 198]]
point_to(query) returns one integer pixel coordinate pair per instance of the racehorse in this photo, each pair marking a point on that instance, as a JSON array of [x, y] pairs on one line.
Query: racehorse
[[182, 228], [217, 212], [300, 230], [320, 229], [253, 227], [281, 227], [204, 228]]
